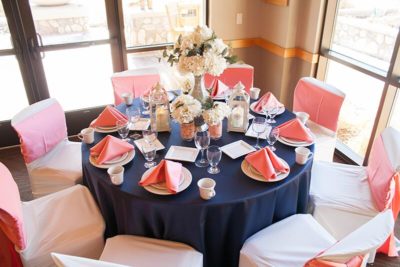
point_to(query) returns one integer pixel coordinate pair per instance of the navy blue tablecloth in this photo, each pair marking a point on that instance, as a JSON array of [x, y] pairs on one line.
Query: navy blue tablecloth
[[218, 227]]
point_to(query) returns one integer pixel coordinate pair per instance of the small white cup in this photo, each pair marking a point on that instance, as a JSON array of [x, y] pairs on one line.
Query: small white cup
[[254, 93], [116, 174], [87, 135], [302, 116], [128, 98], [206, 188], [303, 154]]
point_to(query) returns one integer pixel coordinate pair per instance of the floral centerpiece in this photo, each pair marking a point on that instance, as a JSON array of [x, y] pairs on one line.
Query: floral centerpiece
[[214, 116], [184, 109], [199, 52]]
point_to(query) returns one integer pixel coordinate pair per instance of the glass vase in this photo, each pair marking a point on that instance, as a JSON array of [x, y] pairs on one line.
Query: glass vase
[[199, 91], [187, 131], [215, 130]]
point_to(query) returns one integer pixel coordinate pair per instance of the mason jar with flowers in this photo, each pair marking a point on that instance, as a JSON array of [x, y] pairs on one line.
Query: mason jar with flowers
[[184, 109], [200, 52], [214, 116]]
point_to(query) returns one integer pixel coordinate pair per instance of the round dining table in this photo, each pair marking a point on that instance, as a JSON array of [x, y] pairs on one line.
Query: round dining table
[[217, 227]]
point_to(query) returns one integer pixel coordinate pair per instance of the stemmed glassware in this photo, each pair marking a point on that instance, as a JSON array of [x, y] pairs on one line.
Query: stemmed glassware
[[214, 155], [270, 112], [202, 141], [272, 137], [145, 101], [149, 153], [259, 126], [133, 114], [123, 129]]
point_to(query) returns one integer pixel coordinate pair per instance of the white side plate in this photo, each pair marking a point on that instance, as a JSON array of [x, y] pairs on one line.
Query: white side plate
[[140, 125], [262, 113], [237, 149], [139, 144], [182, 153]]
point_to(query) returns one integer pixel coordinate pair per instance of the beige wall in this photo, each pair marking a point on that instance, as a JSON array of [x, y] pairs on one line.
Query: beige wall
[[297, 25]]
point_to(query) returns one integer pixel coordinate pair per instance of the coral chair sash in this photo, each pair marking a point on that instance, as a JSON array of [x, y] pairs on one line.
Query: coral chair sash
[[321, 101], [353, 262], [11, 220], [42, 131], [137, 82], [232, 75], [384, 179]]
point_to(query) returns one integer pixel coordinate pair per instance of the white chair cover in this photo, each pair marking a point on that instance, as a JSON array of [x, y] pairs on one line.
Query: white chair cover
[[62, 260], [59, 164], [148, 252], [325, 141], [65, 222], [290, 243]]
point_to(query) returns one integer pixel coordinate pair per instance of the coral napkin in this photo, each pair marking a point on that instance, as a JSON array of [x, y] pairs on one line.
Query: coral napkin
[[108, 117], [295, 130], [109, 148], [268, 99], [166, 171], [266, 162], [219, 88]]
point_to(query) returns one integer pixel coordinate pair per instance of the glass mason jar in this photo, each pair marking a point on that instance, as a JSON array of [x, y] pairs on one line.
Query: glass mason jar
[[187, 131], [215, 130]]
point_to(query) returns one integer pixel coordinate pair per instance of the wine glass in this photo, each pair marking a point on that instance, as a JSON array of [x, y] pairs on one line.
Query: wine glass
[[272, 137], [202, 141], [149, 153], [214, 155], [133, 114], [123, 129], [145, 104], [259, 126]]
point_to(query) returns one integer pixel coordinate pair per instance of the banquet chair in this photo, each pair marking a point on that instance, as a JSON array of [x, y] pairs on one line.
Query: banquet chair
[[67, 221], [232, 75], [300, 241], [53, 162], [355, 194], [127, 250], [137, 82], [323, 103]]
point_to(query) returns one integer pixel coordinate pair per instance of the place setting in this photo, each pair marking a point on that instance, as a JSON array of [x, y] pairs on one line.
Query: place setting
[[269, 106], [295, 133], [109, 120]]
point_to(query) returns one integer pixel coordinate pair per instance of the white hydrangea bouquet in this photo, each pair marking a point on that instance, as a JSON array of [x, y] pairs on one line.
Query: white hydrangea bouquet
[[216, 113], [199, 52], [185, 108]]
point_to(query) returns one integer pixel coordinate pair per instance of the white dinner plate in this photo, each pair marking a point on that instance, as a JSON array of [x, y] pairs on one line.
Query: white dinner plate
[[106, 129], [163, 185], [182, 153], [254, 174], [117, 159], [237, 149], [294, 143], [262, 113], [129, 157], [187, 180]]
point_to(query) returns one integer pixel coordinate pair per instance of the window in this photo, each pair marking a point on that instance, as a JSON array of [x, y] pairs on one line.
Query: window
[[359, 46]]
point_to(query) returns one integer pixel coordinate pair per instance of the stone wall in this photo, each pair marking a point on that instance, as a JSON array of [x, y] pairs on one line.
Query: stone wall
[[62, 25]]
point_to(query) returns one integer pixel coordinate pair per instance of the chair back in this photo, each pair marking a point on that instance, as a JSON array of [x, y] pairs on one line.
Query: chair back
[[363, 240], [40, 127], [11, 220], [320, 100], [232, 75], [62, 260], [137, 82]]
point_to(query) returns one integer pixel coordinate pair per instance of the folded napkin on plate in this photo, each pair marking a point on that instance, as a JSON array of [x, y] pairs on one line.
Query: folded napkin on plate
[[108, 117], [266, 162], [166, 171], [108, 148], [268, 99], [218, 88], [295, 130]]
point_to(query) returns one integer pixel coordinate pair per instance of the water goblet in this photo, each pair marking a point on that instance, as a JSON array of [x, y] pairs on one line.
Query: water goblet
[[145, 104], [259, 126], [214, 155], [133, 114], [272, 137], [202, 141], [149, 153], [123, 129], [272, 111]]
